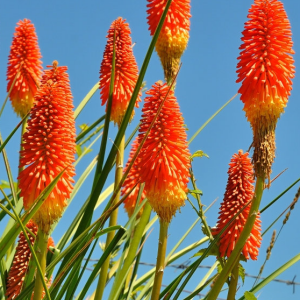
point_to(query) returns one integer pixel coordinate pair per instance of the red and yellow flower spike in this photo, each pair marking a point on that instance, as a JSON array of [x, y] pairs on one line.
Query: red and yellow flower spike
[[265, 70], [18, 270], [239, 193], [164, 160], [126, 70], [174, 35], [24, 58], [49, 147], [132, 180]]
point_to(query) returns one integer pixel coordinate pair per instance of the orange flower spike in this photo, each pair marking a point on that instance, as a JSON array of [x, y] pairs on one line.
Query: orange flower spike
[[132, 180], [174, 35], [265, 70], [24, 57], [266, 66], [126, 70], [239, 192], [49, 147], [20, 263], [164, 160]]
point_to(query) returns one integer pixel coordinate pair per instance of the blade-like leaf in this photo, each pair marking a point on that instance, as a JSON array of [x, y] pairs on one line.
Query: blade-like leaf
[[11, 235], [272, 276], [85, 100], [89, 129], [211, 118]]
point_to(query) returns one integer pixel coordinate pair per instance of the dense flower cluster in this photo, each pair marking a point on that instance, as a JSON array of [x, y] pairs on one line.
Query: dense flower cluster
[[237, 200], [49, 147], [126, 70], [164, 160], [265, 70], [24, 58], [174, 35], [266, 66]]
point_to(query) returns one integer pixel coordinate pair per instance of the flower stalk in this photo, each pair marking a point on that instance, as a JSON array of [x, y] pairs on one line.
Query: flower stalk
[[233, 281], [133, 247], [112, 220], [160, 262], [42, 242]]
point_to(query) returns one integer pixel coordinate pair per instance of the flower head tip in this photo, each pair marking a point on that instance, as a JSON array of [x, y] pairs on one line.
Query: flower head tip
[[174, 35], [24, 67], [126, 70]]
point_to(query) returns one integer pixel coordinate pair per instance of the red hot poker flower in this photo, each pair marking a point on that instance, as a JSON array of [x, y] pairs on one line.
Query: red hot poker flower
[[174, 35], [20, 263], [265, 70], [164, 160], [266, 66], [126, 70], [49, 147], [24, 57], [239, 192], [132, 180]]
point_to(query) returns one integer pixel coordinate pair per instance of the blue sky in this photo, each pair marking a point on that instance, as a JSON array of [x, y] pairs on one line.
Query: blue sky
[[73, 32]]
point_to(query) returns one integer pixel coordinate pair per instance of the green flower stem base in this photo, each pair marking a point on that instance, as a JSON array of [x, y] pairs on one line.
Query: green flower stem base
[[160, 262], [112, 220], [134, 243], [235, 255], [42, 242], [233, 281], [24, 126]]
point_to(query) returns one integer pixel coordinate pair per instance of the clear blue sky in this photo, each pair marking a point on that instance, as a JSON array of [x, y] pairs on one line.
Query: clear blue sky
[[73, 32]]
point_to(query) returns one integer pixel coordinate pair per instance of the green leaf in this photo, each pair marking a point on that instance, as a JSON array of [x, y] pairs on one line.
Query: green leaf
[[272, 276], [86, 99], [97, 267], [83, 126], [205, 230], [242, 273], [194, 193], [4, 184], [249, 296], [219, 268], [15, 229], [169, 260], [85, 150], [199, 153], [3, 144], [78, 150], [213, 251], [83, 133], [204, 125]]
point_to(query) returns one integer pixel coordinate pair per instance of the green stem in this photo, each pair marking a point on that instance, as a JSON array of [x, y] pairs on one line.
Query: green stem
[[24, 126], [233, 281], [112, 220], [42, 242], [235, 254], [10, 89], [160, 262], [134, 243], [200, 211]]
